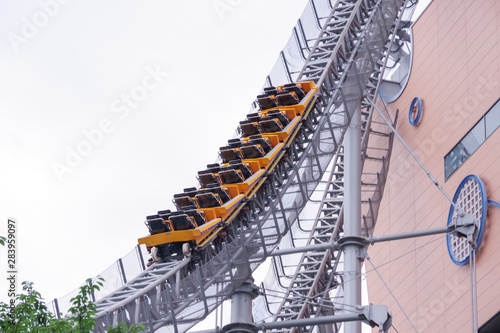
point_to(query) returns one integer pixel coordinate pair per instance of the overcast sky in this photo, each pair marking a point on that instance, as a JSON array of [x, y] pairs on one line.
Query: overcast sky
[[110, 108]]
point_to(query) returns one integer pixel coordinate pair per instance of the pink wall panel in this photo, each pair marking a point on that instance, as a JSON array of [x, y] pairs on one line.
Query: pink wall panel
[[456, 73]]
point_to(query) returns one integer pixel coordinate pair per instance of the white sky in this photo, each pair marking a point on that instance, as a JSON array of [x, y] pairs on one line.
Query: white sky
[[69, 75]]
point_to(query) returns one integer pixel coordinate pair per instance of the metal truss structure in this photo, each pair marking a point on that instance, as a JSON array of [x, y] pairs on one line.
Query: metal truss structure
[[346, 60]]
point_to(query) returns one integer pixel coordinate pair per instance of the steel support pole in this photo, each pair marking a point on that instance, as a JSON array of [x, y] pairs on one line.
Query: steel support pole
[[316, 321], [303, 249], [411, 234], [352, 218], [241, 309]]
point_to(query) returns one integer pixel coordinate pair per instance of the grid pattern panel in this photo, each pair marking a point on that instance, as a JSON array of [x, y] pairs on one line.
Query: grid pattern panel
[[470, 200]]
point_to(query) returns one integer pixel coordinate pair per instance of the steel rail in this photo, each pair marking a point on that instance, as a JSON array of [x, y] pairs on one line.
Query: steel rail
[[308, 163]]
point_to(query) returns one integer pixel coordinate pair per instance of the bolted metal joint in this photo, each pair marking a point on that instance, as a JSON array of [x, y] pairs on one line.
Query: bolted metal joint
[[241, 309], [240, 328], [377, 315], [465, 225], [249, 288], [351, 240]]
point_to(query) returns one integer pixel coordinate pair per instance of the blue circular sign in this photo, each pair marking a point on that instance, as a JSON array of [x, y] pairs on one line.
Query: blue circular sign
[[470, 197], [414, 117]]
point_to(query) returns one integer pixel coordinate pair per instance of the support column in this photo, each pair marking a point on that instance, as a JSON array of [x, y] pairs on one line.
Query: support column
[[241, 309], [352, 218]]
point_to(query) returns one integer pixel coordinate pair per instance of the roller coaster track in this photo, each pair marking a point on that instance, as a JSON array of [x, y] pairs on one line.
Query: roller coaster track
[[307, 292], [345, 61]]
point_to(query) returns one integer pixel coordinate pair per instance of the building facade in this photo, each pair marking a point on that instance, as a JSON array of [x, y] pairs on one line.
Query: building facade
[[455, 71]]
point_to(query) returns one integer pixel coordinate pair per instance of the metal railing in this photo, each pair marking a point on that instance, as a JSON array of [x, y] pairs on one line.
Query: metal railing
[[115, 276], [342, 57]]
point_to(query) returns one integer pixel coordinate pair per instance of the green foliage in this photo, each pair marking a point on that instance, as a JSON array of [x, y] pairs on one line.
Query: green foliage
[[57, 325], [83, 311], [32, 315], [29, 315], [123, 328]]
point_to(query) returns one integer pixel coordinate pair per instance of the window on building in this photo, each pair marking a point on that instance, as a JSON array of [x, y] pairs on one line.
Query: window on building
[[492, 119], [472, 140], [492, 325]]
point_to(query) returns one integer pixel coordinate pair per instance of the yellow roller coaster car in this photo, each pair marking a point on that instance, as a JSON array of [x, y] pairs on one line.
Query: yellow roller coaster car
[[203, 213]]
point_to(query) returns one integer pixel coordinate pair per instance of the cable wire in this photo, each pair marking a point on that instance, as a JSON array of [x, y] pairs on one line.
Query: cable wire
[[434, 181], [390, 292], [473, 288], [313, 298], [406, 253]]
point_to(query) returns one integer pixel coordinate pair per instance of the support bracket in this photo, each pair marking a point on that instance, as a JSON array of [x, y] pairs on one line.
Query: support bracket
[[377, 315], [465, 225]]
